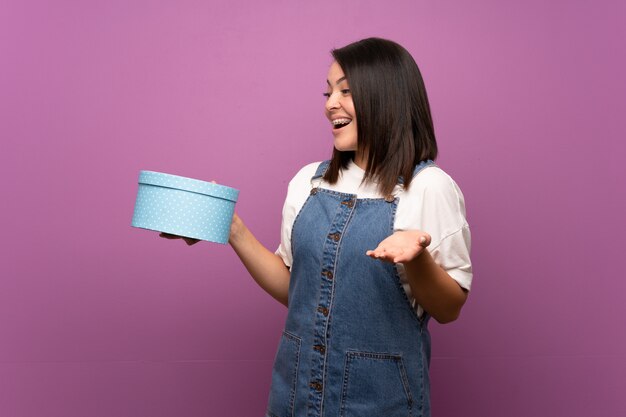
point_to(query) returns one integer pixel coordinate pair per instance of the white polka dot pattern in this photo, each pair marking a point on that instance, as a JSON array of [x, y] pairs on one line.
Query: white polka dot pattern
[[184, 206]]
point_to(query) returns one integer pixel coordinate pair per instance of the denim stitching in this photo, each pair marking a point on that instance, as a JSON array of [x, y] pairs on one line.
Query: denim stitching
[[293, 226], [344, 388], [294, 386], [346, 223], [381, 356], [292, 397]]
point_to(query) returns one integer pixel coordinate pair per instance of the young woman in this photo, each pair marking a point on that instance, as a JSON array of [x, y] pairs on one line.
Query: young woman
[[373, 243]]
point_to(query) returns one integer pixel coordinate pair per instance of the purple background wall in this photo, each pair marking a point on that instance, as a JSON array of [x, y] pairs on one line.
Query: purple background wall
[[101, 319]]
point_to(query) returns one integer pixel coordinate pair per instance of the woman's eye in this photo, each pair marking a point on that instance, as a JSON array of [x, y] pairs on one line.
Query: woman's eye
[[327, 95], [345, 91]]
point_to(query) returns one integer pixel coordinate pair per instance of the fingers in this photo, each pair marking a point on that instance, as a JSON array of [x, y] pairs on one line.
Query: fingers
[[424, 240], [382, 254], [376, 253], [395, 255], [168, 236], [401, 247], [188, 240]]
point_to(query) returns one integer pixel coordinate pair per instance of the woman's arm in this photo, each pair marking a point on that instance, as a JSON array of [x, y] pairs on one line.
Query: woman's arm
[[436, 291], [267, 268]]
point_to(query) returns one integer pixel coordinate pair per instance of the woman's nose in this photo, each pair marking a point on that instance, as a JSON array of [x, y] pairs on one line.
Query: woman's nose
[[332, 102]]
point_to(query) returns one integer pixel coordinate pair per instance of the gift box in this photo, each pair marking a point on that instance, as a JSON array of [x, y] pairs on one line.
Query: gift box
[[184, 206]]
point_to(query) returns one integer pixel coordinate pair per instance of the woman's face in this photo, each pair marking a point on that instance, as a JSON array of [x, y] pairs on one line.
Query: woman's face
[[340, 109]]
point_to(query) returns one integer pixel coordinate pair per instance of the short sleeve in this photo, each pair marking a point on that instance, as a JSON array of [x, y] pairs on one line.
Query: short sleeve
[[288, 216], [297, 193], [435, 204], [453, 255]]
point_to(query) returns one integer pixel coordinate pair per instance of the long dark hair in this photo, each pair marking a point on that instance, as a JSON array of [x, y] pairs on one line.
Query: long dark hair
[[394, 124]]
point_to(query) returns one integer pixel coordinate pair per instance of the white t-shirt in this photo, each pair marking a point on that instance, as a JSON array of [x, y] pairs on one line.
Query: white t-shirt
[[433, 204]]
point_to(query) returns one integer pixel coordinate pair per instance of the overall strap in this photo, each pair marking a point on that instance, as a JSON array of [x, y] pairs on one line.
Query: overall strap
[[418, 168], [316, 179], [321, 170]]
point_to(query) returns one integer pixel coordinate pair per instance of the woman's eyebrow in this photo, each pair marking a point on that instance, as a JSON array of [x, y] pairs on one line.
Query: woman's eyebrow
[[338, 81]]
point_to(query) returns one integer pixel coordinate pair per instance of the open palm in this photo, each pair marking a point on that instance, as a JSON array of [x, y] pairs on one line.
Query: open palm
[[402, 246]]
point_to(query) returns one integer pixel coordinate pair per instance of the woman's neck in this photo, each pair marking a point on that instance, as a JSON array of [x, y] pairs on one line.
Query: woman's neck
[[360, 159]]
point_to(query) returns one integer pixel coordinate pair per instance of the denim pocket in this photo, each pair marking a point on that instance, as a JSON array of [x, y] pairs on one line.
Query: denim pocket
[[374, 385], [284, 375]]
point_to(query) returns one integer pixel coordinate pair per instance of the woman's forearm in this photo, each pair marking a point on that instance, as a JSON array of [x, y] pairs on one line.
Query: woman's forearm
[[267, 268], [436, 291]]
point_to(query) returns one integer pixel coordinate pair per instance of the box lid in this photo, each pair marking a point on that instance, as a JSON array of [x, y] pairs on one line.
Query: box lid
[[188, 184]]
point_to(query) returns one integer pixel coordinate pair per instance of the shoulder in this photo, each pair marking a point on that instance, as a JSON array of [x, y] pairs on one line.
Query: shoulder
[[299, 187], [433, 176], [433, 202], [304, 175], [434, 183]]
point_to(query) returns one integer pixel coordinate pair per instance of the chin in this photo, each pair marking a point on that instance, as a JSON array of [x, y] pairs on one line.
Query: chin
[[342, 146], [343, 149]]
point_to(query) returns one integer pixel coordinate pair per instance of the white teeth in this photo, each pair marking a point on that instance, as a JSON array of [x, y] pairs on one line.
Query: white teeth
[[340, 121]]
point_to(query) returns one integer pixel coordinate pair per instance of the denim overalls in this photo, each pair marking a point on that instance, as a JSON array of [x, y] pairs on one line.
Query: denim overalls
[[352, 346]]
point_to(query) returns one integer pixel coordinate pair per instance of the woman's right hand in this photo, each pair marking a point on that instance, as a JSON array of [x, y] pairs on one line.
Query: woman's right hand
[[188, 240], [237, 228]]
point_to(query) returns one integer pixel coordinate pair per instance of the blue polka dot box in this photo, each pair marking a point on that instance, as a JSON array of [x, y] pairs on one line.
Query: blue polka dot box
[[184, 206]]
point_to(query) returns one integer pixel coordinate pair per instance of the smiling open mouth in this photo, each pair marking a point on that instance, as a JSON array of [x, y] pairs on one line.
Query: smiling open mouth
[[339, 123]]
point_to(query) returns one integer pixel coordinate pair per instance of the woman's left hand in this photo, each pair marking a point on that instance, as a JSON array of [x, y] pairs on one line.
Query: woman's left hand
[[402, 246]]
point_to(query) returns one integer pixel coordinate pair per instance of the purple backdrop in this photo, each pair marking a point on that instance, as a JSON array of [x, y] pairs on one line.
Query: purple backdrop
[[101, 319]]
